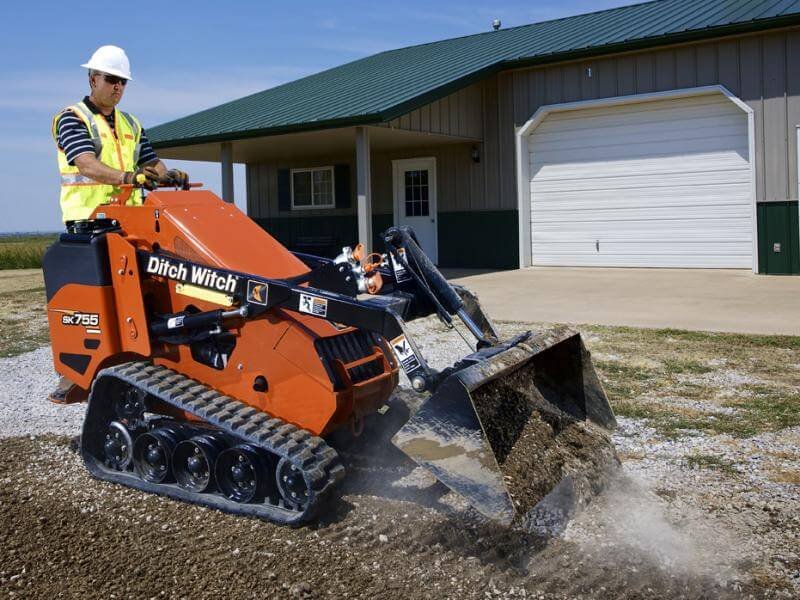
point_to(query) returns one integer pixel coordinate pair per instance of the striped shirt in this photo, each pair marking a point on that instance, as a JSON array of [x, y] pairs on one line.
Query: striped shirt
[[74, 138]]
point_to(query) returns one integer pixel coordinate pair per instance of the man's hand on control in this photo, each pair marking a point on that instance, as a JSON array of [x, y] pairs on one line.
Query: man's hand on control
[[145, 177], [175, 177]]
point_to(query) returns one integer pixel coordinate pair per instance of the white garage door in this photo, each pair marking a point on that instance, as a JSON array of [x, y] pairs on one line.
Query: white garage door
[[663, 183]]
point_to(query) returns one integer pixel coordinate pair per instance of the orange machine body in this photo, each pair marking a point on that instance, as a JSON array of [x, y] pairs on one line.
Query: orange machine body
[[278, 348]]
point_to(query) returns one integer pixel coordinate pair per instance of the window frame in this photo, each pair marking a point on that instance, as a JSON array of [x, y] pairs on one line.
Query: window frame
[[312, 170]]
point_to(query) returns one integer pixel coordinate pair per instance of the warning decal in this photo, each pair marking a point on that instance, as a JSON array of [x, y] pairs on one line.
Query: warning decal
[[313, 305], [400, 273], [257, 292], [405, 355]]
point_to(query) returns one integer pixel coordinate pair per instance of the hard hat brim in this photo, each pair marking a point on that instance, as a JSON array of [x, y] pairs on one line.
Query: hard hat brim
[[116, 72]]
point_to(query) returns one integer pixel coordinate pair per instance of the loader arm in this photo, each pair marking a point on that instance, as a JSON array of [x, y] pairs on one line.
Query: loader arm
[[254, 295]]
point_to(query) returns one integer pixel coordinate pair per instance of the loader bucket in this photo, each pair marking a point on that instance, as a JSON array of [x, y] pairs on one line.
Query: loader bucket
[[512, 422]]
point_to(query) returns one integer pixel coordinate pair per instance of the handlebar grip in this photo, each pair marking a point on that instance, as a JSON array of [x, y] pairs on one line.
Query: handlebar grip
[[404, 237]]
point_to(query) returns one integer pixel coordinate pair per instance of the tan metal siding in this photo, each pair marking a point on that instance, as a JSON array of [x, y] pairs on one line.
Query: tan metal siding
[[458, 178], [262, 187], [458, 114], [776, 147], [508, 185], [666, 76], [626, 75], [490, 159], [751, 92], [763, 70], [793, 104]]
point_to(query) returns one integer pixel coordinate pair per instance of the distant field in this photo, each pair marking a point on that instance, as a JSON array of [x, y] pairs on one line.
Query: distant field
[[24, 251]]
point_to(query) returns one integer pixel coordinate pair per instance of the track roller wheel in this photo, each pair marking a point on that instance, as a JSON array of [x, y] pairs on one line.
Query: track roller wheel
[[129, 407], [292, 485], [243, 473], [118, 446], [152, 454], [194, 459]]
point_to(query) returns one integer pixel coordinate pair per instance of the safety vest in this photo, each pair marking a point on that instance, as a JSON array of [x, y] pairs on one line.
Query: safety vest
[[80, 194]]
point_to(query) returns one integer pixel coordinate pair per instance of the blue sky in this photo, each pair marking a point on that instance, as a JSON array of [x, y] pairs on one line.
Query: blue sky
[[187, 56]]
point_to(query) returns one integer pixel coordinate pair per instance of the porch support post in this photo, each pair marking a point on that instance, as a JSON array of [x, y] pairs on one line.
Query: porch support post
[[226, 158], [364, 189]]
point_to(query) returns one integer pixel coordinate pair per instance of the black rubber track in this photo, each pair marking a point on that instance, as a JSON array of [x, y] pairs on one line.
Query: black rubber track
[[318, 462]]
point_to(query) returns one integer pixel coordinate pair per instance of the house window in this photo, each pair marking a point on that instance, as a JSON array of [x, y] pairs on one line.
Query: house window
[[312, 188]]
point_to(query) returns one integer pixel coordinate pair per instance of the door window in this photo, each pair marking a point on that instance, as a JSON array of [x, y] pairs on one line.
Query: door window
[[416, 193]]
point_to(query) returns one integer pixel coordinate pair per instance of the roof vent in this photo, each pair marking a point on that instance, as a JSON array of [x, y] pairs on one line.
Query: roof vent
[[496, 24]]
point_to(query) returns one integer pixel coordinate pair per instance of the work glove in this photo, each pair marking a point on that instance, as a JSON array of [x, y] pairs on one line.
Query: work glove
[[175, 177], [144, 177]]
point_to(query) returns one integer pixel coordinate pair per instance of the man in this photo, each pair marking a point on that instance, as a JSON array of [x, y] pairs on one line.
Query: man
[[100, 148]]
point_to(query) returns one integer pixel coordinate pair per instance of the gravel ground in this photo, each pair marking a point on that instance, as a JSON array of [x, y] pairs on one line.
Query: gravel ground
[[667, 526], [25, 382]]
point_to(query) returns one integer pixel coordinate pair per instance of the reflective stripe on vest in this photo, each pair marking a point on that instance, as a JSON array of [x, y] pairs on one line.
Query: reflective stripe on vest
[[77, 179], [137, 134], [80, 195], [88, 118]]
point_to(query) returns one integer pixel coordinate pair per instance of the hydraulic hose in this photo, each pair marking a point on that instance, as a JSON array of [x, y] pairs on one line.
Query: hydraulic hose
[[404, 237]]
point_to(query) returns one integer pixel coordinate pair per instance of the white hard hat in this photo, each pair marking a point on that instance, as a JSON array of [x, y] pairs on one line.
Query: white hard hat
[[111, 60]]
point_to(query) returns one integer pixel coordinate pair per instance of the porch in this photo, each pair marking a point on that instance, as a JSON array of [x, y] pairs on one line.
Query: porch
[[317, 191]]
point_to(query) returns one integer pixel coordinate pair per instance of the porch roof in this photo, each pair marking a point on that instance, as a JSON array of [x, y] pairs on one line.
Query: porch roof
[[384, 86], [337, 141]]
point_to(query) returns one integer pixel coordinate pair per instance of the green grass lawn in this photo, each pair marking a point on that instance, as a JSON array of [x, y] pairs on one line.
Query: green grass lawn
[[24, 251], [682, 382]]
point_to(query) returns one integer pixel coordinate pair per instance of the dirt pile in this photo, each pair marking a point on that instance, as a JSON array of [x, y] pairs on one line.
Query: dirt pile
[[541, 449]]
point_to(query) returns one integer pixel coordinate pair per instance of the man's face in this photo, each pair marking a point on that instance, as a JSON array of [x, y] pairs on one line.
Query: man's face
[[108, 89]]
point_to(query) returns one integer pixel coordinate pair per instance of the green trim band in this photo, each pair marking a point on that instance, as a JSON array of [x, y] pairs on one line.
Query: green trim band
[[466, 239]]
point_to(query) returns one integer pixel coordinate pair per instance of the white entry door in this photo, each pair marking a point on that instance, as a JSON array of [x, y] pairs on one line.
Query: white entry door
[[415, 200]]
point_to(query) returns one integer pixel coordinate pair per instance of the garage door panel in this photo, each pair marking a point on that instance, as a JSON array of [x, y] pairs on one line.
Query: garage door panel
[[643, 215], [664, 183], [678, 230], [700, 162], [705, 261], [647, 248], [658, 198], [684, 131], [659, 111], [639, 149], [641, 186], [628, 150], [623, 127]]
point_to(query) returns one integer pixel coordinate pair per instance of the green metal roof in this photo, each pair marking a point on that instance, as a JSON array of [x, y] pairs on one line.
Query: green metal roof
[[386, 85]]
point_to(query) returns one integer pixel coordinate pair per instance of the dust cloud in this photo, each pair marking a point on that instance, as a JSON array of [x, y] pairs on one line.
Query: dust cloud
[[631, 521]]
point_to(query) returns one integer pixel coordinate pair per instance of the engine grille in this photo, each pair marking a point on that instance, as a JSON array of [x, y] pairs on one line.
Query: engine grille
[[347, 348]]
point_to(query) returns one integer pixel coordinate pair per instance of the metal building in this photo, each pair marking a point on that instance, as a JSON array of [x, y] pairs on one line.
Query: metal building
[[662, 134]]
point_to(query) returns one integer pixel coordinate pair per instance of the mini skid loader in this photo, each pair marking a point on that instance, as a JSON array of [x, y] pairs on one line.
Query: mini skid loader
[[215, 362]]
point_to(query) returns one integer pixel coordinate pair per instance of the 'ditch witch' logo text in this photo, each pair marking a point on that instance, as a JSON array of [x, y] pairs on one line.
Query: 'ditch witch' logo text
[[194, 274]]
